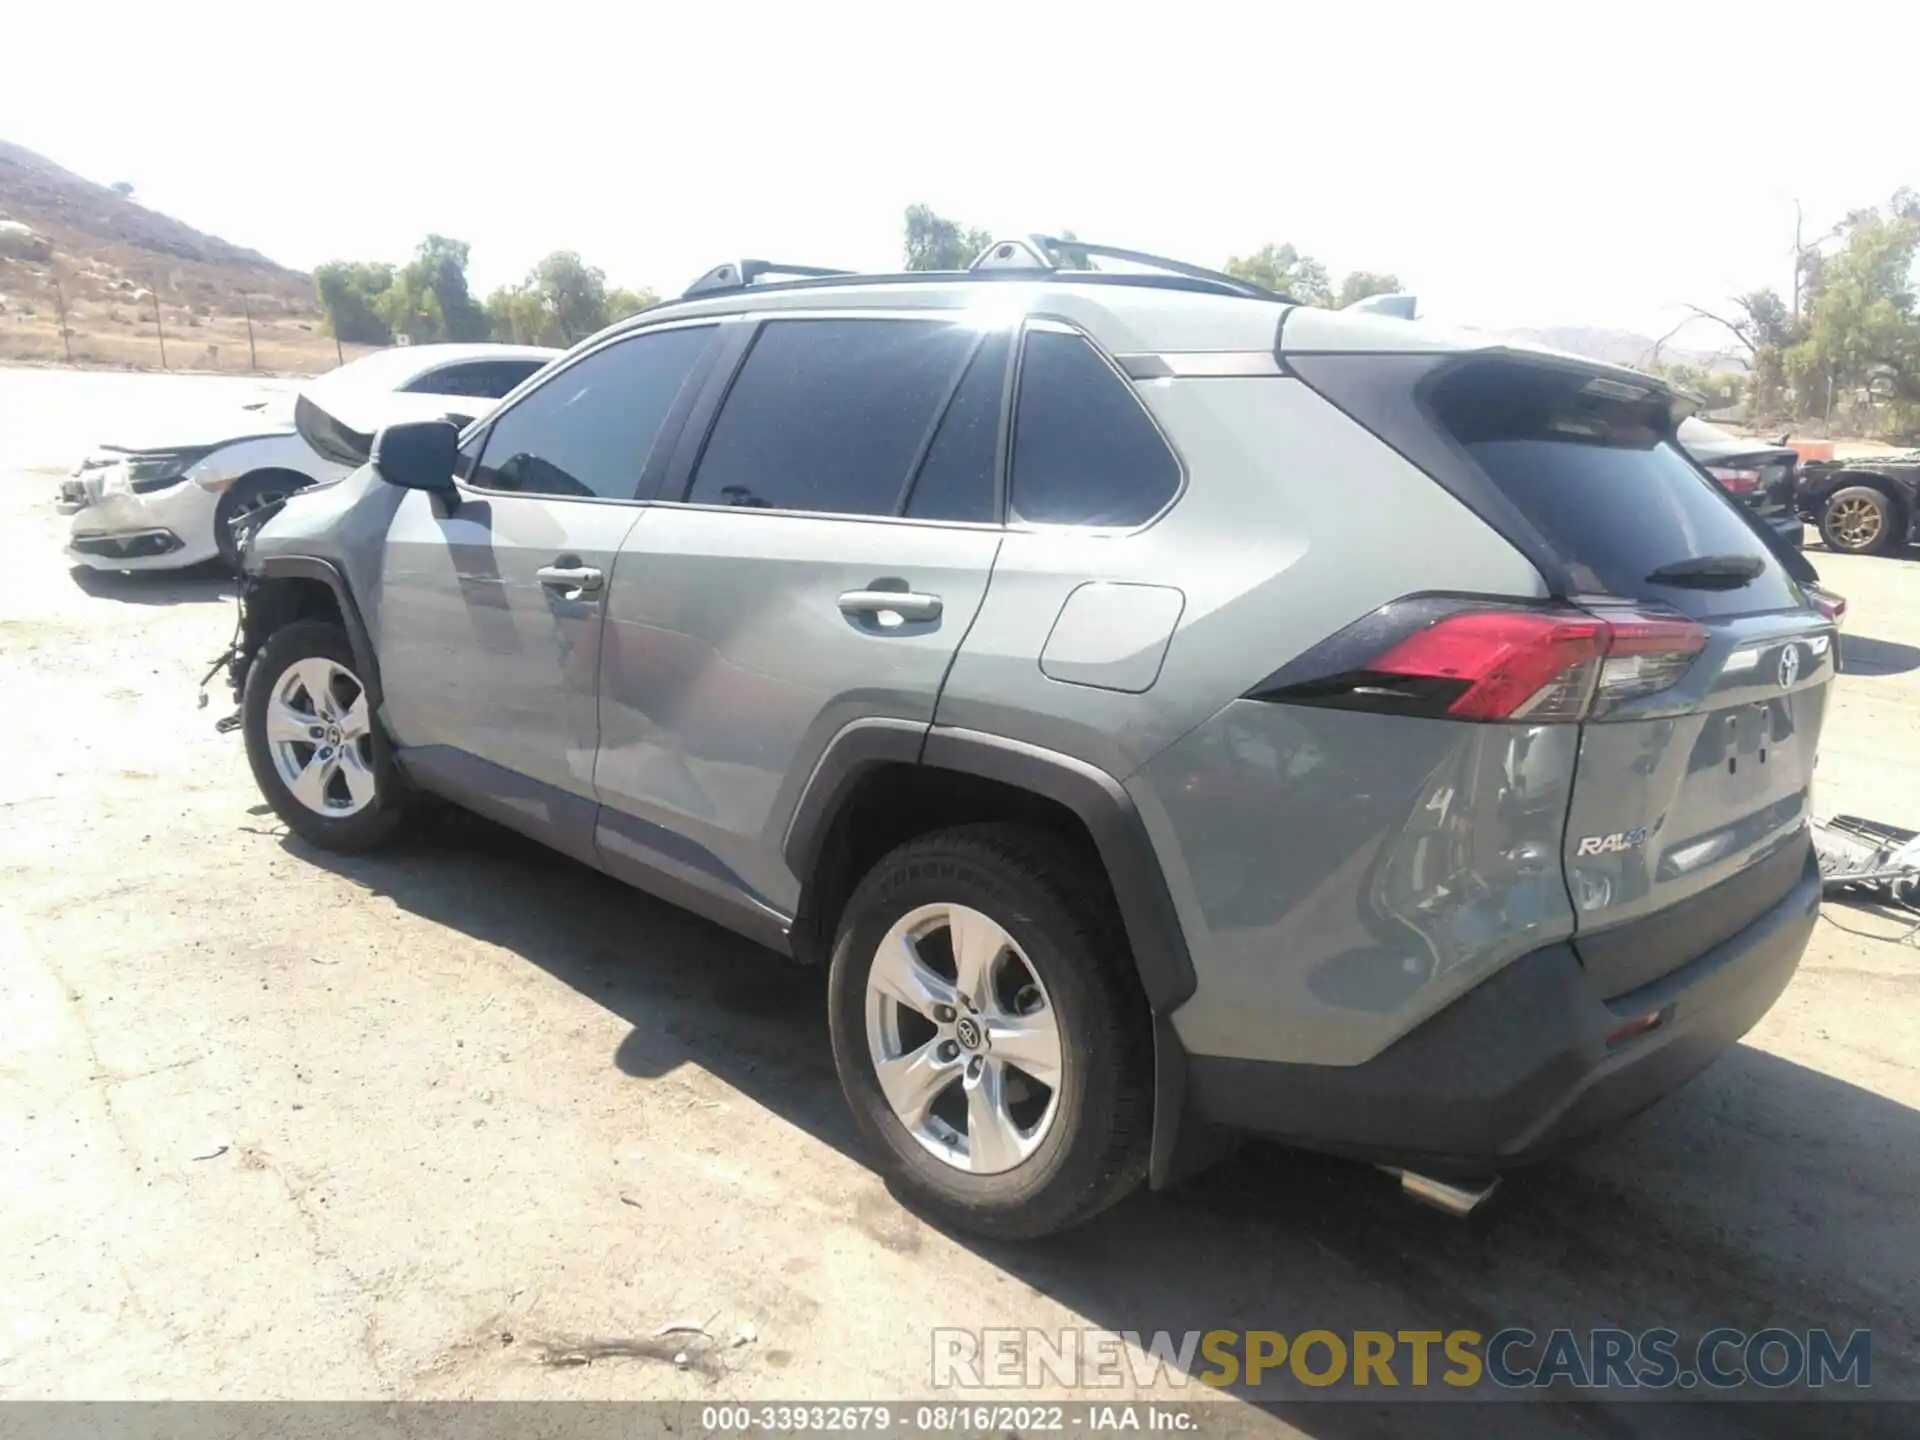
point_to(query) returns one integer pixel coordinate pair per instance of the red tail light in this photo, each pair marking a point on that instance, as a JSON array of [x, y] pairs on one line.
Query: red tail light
[[1469, 662], [1507, 664], [1735, 482]]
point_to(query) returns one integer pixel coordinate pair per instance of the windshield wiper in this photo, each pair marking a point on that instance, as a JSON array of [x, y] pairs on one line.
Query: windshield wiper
[[1709, 572]]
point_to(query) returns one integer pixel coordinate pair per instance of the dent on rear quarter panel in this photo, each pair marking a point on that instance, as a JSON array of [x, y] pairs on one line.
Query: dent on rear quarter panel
[[1340, 877]]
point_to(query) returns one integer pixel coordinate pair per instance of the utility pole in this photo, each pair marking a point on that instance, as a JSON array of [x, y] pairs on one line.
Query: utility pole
[[66, 335], [253, 359], [158, 328]]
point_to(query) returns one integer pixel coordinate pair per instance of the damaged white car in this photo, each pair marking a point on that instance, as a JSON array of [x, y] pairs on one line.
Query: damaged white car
[[164, 506]]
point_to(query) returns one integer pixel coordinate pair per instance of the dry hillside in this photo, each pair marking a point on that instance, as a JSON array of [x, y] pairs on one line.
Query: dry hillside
[[110, 261]]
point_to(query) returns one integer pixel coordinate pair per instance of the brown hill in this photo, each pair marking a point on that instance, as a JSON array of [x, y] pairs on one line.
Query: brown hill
[[108, 262]]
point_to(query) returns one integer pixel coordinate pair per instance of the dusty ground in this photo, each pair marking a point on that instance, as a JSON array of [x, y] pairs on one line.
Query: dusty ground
[[450, 1121]]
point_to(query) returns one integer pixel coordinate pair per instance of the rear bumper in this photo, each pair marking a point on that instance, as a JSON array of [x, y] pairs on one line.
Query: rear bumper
[[1521, 1065]]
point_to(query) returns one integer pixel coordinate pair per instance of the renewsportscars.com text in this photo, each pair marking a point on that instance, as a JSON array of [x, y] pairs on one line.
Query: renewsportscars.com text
[[1658, 1358]]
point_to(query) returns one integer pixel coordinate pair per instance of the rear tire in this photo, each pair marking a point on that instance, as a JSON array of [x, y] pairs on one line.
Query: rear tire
[[1059, 999], [316, 750], [1859, 520]]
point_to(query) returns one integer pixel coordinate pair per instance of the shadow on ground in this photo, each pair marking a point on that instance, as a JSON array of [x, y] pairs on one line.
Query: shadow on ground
[[1763, 1194], [1863, 655], [193, 585]]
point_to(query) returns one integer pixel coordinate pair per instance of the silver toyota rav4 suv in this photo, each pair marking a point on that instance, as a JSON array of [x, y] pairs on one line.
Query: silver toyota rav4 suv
[[1165, 709]]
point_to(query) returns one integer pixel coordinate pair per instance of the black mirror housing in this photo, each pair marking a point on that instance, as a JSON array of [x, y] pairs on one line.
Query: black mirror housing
[[417, 455]]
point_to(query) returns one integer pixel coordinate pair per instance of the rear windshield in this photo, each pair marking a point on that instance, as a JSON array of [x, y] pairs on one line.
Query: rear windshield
[[1598, 478]]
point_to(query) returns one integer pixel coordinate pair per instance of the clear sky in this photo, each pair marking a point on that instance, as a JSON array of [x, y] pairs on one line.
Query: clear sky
[[1594, 164]]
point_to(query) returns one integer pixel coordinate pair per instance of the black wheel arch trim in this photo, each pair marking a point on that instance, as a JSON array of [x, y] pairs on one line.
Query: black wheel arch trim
[[310, 567], [1119, 835]]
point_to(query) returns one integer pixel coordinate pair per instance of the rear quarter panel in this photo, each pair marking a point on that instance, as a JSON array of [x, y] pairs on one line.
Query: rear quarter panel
[[1337, 877]]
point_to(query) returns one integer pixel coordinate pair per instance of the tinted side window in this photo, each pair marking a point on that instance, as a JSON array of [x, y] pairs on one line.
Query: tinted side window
[[588, 430], [483, 379], [956, 480], [830, 415], [1084, 451]]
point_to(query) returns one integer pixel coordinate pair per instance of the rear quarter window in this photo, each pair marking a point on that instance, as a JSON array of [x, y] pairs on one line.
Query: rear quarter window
[[1084, 450]]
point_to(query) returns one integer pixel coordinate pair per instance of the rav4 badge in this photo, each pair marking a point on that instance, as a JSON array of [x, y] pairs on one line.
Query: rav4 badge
[[1612, 844]]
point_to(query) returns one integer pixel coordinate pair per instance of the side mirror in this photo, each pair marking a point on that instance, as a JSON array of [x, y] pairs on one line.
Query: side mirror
[[417, 455]]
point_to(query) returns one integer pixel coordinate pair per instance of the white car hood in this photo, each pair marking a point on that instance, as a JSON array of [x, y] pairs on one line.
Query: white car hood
[[189, 429], [339, 420]]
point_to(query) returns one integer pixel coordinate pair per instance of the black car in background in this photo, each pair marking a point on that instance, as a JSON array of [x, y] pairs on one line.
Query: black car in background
[[1865, 504], [1759, 475]]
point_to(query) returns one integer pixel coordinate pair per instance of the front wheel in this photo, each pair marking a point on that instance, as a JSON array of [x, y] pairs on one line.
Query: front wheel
[[316, 750], [990, 1036], [248, 494]]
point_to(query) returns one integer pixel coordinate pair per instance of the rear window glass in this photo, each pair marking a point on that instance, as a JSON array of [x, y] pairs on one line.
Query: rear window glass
[[1595, 476]]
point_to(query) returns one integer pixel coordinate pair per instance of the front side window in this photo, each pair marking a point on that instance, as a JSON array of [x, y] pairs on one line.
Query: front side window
[[1084, 451], [832, 416], [588, 430]]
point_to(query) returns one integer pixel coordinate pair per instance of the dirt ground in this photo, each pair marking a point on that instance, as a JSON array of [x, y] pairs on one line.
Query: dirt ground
[[469, 1120]]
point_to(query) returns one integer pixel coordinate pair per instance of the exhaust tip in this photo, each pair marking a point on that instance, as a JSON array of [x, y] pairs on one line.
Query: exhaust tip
[[1459, 1198]]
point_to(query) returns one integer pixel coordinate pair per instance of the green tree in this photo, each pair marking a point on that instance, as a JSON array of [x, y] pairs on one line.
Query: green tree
[[351, 295], [934, 242], [562, 299], [1284, 269], [429, 299], [622, 302], [1360, 284], [1860, 336], [515, 316], [573, 292]]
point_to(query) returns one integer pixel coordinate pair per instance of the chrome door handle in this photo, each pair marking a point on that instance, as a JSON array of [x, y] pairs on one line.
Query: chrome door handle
[[904, 603], [576, 580]]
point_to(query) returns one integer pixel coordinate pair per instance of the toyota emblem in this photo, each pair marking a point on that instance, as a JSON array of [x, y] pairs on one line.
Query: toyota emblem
[[1789, 666]]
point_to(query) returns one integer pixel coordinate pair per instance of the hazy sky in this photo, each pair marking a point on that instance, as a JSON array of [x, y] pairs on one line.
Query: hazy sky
[[1577, 164]]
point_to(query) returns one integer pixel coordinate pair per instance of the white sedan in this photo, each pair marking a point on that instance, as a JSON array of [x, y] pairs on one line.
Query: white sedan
[[164, 506]]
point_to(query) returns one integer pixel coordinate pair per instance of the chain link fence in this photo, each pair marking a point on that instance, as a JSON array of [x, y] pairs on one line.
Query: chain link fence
[[154, 324]]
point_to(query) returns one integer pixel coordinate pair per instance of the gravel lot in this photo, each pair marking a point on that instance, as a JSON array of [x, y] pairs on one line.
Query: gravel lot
[[468, 1120]]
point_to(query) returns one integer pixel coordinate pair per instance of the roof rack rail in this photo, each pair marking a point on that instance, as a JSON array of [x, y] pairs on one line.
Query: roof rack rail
[[1050, 254], [739, 274]]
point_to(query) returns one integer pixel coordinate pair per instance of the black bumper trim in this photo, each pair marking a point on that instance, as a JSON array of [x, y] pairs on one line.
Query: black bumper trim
[[1519, 1066]]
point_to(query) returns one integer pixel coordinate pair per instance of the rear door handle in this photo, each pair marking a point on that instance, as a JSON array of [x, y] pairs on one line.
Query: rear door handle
[[904, 603], [573, 580]]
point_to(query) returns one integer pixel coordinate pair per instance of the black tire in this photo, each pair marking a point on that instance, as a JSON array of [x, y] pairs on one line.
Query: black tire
[[361, 830], [1048, 899], [249, 492], [1859, 520]]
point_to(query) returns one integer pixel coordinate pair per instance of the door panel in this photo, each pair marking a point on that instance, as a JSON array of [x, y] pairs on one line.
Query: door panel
[[482, 656], [737, 646]]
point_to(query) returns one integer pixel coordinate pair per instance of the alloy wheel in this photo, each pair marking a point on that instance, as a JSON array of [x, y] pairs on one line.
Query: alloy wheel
[[964, 1038], [1856, 521], [321, 737]]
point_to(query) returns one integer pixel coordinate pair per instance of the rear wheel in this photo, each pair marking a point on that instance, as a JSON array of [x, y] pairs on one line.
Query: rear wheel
[[246, 495], [1857, 520], [315, 749], [989, 1034]]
